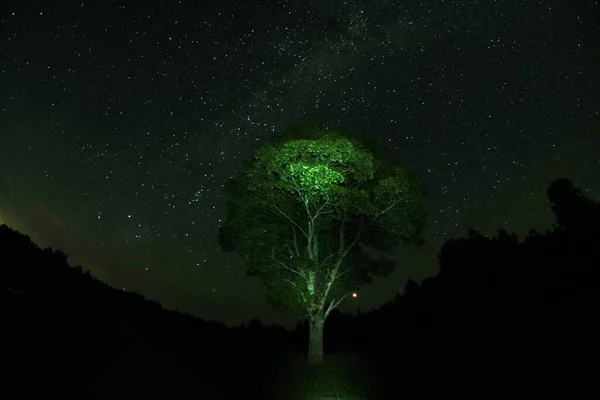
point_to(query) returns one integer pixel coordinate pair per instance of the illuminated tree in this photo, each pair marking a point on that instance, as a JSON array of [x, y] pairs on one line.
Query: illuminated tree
[[303, 211]]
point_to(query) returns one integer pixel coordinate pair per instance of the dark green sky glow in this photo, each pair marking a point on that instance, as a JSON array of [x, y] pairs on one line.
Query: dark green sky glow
[[120, 122]]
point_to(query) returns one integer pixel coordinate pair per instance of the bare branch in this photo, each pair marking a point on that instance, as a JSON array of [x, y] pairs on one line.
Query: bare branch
[[331, 280], [360, 230], [290, 282], [294, 284], [334, 304], [321, 208], [282, 265], [334, 276], [289, 249], [345, 271], [328, 257], [292, 221], [309, 242], [324, 212], [386, 210], [316, 246], [296, 243]]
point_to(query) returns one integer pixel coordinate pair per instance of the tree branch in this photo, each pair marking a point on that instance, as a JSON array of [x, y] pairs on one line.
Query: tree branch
[[348, 269], [334, 304], [285, 215], [360, 230], [294, 284], [319, 211], [328, 257], [332, 279], [316, 244], [283, 266], [386, 210], [289, 249], [296, 243], [333, 274]]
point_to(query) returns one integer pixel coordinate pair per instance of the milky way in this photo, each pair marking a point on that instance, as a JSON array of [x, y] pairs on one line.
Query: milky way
[[121, 123]]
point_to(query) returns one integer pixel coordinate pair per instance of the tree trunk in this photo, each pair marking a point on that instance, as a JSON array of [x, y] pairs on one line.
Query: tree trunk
[[315, 344]]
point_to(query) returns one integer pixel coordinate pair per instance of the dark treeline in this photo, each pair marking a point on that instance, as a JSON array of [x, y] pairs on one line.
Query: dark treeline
[[502, 317]]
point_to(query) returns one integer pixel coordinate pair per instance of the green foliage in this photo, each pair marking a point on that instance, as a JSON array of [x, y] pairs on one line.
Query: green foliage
[[286, 210], [310, 168]]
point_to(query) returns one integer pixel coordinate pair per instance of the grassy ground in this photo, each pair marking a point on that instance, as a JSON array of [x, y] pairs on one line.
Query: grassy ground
[[338, 378]]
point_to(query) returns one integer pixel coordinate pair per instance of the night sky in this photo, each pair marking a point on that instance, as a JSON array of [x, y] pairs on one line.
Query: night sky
[[120, 122]]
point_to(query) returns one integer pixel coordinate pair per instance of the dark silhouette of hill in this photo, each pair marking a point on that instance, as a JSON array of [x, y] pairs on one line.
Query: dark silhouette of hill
[[70, 334], [502, 317]]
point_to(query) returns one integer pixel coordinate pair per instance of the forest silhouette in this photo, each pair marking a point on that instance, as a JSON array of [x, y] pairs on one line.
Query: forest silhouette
[[502, 316]]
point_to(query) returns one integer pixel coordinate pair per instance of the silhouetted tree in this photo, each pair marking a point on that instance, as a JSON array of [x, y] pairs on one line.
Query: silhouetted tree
[[572, 209], [567, 201], [496, 301]]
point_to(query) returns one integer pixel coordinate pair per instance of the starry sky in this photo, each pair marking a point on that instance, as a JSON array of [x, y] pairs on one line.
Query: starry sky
[[121, 121]]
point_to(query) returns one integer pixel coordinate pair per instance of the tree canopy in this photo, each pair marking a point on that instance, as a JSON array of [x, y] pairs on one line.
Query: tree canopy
[[305, 207]]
